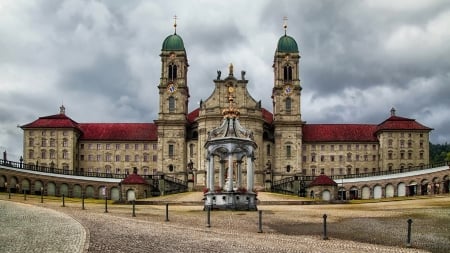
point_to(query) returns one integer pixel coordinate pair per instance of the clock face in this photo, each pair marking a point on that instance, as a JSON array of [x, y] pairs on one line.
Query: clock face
[[171, 88], [230, 89], [288, 89]]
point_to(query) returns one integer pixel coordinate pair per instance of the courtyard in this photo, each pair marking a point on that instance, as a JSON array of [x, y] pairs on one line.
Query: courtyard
[[360, 226]]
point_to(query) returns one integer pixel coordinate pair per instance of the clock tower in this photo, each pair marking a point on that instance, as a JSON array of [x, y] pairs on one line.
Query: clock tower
[[286, 95], [173, 107]]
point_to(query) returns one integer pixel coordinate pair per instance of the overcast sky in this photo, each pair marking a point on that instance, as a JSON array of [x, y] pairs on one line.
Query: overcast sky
[[101, 58]]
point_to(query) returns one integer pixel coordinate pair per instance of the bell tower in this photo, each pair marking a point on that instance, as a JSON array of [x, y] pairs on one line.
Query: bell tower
[[286, 95], [173, 107]]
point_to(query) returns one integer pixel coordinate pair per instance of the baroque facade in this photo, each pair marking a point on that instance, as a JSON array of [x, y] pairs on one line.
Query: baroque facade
[[174, 144]]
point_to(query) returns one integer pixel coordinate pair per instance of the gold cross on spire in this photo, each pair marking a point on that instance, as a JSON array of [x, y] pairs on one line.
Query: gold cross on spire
[[175, 23], [285, 24]]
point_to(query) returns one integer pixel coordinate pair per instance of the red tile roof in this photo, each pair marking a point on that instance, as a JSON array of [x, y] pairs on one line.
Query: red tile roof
[[268, 116], [134, 179], [119, 131], [192, 116], [339, 133], [400, 123], [52, 121], [322, 180]]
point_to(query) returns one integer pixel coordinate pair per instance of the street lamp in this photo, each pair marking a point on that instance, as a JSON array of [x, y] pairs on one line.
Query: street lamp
[[42, 194]]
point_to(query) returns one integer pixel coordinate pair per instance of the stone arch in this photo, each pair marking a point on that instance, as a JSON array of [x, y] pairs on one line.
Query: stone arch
[[25, 185], [377, 191], [445, 184], [390, 190], [90, 191], [131, 195], [425, 187], [353, 193], [326, 195], [412, 188], [13, 185], [76, 191], [342, 193], [64, 189], [102, 192], [51, 189], [38, 187], [2, 183], [401, 189], [365, 192], [115, 193]]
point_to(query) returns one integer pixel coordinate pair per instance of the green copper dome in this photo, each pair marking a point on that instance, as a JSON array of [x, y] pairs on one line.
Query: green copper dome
[[173, 43], [287, 44]]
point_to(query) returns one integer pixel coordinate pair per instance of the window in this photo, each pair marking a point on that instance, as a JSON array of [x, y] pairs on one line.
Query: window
[[117, 146], [146, 147], [90, 146], [108, 146], [313, 171], [313, 157], [117, 158], [366, 158], [341, 147], [65, 142], [332, 147], [287, 73], [108, 157], [304, 159], [409, 154], [332, 171], [374, 147], [288, 168], [341, 158], [65, 154], [421, 144], [99, 158], [99, 146], [81, 146], [288, 104], [374, 157], [409, 143], [31, 133], [402, 155], [127, 146], [43, 154], [81, 157], [155, 158], [65, 133], [365, 146], [145, 157], [357, 170], [390, 155], [136, 146], [332, 158], [31, 142], [349, 147], [44, 133], [402, 143], [171, 150], [390, 142], [136, 158], [357, 158], [90, 158], [172, 71], [171, 104], [52, 142], [421, 155], [52, 133], [349, 157], [44, 142], [268, 149], [341, 171], [322, 147], [322, 158], [313, 147], [52, 154], [420, 135], [155, 146], [349, 170], [127, 158], [288, 150], [357, 146], [117, 171]]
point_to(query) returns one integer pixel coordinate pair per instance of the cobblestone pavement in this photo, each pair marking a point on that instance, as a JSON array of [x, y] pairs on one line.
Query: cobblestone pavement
[[28, 228], [289, 228]]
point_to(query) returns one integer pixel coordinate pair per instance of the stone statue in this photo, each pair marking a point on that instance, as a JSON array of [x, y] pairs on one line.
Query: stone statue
[[243, 74], [219, 73]]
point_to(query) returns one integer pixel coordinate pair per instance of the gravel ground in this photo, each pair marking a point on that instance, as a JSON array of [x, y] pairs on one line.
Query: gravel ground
[[370, 227]]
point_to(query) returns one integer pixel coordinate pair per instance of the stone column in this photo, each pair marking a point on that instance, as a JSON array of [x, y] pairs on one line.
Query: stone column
[[230, 172], [211, 174], [249, 174]]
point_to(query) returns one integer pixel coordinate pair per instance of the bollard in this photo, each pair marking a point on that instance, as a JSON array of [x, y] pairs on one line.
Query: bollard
[[167, 212], [208, 217], [42, 196], [260, 222], [325, 237], [82, 201], [408, 240], [9, 194], [63, 201], [134, 212], [106, 204], [24, 195]]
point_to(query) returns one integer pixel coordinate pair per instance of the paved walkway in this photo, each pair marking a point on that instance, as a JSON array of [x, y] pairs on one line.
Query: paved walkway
[[29, 228]]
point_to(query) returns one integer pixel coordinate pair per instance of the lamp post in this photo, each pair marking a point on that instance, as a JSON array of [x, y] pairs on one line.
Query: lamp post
[[21, 161], [42, 194], [7, 189]]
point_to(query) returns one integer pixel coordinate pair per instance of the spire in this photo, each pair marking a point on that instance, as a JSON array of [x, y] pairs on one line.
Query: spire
[[285, 25], [175, 23]]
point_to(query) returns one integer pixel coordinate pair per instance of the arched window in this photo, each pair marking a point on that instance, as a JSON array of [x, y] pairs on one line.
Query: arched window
[[172, 71], [288, 104], [191, 150], [171, 168], [43, 154], [287, 73], [171, 104]]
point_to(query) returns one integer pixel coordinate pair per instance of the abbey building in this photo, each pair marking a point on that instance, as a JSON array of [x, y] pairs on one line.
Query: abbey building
[[174, 144]]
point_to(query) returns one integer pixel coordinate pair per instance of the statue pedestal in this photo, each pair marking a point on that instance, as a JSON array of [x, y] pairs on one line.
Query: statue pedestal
[[231, 201]]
